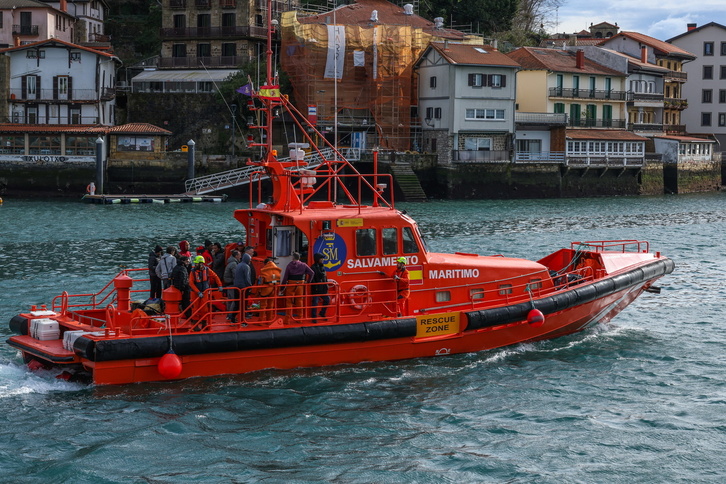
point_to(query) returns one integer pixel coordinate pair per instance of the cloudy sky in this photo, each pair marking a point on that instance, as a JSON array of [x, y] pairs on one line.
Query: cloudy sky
[[661, 19]]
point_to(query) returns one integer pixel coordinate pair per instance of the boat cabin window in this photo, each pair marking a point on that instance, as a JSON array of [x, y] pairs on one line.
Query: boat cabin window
[[443, 296], [390, 241], [409, 241], [505, 289], [365, 242], [534, 284], [476, 294]]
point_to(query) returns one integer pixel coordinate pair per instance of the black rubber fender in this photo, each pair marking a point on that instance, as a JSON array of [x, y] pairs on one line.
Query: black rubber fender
[[20, 325]]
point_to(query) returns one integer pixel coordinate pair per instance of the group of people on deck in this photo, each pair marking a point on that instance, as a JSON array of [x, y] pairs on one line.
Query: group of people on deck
[[193, 275]]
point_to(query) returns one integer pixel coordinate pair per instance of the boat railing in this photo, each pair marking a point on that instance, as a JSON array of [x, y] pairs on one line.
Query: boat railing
[[612, 246], [70, 303]]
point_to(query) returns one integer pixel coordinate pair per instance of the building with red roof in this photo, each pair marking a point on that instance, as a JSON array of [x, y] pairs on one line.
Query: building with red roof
[[466, 102]]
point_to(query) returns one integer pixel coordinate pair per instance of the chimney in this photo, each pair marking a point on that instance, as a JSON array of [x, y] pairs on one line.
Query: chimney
[[63, 6], [580, 59], [691, 26], [643, 54]]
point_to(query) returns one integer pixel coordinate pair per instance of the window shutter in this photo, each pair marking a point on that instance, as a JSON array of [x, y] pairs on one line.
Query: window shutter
[[472, 79], [55, 87], [37, 87], [504, 80], [24, 87], [70, 87]]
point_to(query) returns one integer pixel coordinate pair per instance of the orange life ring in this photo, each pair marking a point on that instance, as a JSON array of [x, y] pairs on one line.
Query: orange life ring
[[359, 297]]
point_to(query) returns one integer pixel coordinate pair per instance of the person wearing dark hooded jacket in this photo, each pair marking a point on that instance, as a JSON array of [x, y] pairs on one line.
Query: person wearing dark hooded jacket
[[154, 280], [180, 280]]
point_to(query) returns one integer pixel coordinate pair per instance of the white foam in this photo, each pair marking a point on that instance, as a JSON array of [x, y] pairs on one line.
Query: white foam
[[19, 380]]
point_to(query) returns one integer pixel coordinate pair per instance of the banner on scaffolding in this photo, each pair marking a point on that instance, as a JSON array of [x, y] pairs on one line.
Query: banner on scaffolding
[[375, 52], [336, 52], [313, 114]]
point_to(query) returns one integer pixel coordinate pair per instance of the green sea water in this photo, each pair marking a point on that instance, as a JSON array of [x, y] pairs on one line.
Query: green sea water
[[642, 399]]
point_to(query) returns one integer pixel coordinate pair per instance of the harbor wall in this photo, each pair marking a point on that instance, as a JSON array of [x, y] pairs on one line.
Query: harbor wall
[[508, 180], [39, 179], [134, 175], [692, 177]]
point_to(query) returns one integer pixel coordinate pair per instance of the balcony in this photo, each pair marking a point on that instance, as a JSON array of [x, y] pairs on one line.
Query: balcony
[[19, 118], [675, 103], [228, 3], [539, 157], [676, 129], [590, 94], [213, 32], [480, 156], [277, 6], [645, 127], [542, 119], [647, 97], [596, 123], [677, 76], [203, 3], [94, 37], [25, 30], [177, 3], [598, 160], [53, 96], [231, 61]]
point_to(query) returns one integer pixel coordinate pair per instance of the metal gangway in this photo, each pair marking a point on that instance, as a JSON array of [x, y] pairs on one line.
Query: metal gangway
[[242, 176]]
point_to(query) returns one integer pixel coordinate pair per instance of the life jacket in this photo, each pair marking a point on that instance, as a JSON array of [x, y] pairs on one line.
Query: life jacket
[[270, 276]]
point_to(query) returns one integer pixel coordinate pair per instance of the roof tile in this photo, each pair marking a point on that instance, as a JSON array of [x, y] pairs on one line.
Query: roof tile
[[536, 58]]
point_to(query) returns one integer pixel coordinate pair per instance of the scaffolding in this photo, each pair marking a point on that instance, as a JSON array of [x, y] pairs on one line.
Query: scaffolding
[[375, 90]]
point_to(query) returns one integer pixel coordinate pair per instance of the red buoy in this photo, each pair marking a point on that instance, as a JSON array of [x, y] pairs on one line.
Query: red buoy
[[535, 318], [170, 365]]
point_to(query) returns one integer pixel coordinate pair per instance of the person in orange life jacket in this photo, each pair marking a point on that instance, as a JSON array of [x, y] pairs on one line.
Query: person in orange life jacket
[[154, 280], [269, 279], [201, 278], [400, 275], [183, 250], [319, 288], [297, 273], [180, 280], [166, 265]]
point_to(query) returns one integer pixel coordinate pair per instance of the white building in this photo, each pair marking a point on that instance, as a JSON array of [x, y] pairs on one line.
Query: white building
[[28, 21], [59, 83], [90, 14], [466, 102], [706, 86]]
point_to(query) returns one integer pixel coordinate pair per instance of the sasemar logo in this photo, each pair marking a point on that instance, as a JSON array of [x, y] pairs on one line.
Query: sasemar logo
[[332, 246]]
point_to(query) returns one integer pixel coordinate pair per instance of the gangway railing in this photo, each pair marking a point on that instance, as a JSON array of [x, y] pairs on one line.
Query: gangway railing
[[242, 176]]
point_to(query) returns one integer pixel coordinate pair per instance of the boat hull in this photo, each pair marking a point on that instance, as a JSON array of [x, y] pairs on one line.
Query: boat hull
[[118, 360]]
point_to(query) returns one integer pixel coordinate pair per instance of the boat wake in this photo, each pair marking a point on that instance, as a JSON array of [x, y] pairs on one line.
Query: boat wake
[[17, 380]]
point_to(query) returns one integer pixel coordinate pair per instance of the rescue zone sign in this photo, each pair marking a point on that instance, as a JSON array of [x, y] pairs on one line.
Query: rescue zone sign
[[437, 324]]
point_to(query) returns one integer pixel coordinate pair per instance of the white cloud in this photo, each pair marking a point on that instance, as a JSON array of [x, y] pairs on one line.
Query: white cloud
[[661, 19]]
